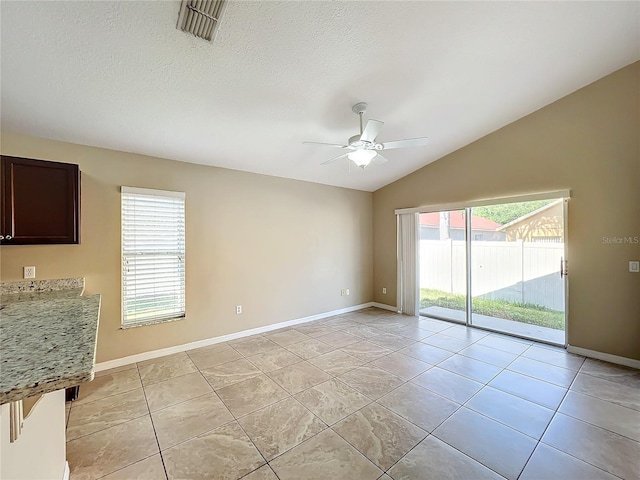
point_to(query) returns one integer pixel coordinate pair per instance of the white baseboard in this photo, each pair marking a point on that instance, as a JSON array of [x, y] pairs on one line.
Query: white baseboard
[[67, 472], [607, 357], [140, 357], [384, 306]]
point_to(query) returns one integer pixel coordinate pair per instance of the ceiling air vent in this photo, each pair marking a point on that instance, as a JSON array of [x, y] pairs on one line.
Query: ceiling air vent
[[201, 17]]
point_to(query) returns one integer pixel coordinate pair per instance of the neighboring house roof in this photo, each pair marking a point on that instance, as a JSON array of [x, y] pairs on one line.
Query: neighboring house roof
[[530, 214], [456, 220]]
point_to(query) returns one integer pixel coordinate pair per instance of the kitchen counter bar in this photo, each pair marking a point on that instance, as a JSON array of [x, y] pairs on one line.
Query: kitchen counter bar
[[47, 341]]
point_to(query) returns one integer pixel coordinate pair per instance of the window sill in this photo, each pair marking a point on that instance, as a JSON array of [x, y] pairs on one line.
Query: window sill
[[152, 322]]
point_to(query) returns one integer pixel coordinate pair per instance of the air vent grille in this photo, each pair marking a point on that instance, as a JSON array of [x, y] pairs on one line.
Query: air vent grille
[[201, 17]]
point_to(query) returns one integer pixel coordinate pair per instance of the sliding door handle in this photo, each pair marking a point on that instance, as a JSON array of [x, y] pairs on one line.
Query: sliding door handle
[[564, 270]]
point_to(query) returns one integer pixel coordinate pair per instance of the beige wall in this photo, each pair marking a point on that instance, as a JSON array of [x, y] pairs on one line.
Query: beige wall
[[588, 142], [283, 249]]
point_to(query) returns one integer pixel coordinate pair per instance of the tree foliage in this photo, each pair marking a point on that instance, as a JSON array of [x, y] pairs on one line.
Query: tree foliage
[[508, 212]]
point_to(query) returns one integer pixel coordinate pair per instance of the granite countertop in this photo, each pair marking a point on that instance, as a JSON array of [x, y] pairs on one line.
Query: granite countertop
[[47, 340], [14, 298]]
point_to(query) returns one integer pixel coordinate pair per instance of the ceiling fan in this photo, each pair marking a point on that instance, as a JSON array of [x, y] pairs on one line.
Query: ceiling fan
[[363, 148]]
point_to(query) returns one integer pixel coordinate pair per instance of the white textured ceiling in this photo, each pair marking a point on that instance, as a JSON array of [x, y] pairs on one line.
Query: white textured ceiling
[[120, 75]]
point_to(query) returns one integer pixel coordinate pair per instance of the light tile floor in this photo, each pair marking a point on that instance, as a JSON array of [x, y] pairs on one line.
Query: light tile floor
[[366, 395]]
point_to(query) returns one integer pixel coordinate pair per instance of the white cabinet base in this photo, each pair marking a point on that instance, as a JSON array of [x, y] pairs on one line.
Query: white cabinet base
[[40, 450]]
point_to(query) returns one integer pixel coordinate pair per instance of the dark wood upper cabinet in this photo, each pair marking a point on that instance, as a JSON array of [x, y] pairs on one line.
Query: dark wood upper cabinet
[[40, 202]]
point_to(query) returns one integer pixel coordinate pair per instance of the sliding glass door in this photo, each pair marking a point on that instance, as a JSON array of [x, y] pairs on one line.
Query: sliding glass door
[[496, 267]]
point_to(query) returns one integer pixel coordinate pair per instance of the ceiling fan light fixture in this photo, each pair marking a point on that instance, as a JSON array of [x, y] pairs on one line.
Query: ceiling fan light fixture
[[362, 157]]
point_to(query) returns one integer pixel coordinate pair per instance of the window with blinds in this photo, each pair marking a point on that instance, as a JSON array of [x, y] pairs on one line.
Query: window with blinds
[[153, 256]]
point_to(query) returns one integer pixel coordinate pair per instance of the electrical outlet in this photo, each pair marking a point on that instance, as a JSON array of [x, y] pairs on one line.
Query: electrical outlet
[[29, 272], [347, 291], [634, 266], [238, 309], [384, 290]]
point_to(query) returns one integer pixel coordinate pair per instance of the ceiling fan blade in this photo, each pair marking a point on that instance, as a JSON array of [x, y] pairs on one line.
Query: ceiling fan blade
[[413, 142], [379, 159], [334, 159], [371, 131], [327, 144]]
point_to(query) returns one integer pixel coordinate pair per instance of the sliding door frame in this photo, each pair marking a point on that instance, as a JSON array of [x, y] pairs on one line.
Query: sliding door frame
[[467, 237], [565, 219], [467, 206], [486, 202]]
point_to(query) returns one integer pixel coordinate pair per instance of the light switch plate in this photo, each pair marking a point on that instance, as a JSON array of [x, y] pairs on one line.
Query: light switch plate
[[634, 266]]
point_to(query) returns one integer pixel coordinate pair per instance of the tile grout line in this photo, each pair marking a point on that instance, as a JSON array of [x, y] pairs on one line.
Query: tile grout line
[[328, 427], [107, 396], [97, 400], [569, 455], [485, 384], [130, 420], [463, 406], [106, 428], [399, 386], [155, 433], [446, 418], [593, 424], [188, 400], [236, 420], [489, 418], [372, 401], [362, 453], [127, 466], [555, 412]]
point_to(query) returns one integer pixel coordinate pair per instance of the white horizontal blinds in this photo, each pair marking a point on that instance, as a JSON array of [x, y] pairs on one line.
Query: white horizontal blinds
[[153, 255]]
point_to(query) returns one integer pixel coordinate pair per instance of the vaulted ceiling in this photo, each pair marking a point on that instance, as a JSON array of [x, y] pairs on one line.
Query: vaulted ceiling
[[120, 75]]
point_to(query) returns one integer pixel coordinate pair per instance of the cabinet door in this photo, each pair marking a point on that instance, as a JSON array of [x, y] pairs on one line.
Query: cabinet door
[[40, 202]]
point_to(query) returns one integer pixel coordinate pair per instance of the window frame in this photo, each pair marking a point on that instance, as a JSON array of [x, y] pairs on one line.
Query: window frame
[[177, 254]]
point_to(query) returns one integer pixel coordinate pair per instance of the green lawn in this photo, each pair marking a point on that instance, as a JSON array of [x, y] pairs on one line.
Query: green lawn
[[518, 312]]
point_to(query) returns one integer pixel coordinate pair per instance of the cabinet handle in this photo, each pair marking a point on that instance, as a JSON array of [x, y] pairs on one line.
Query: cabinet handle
[[1, 237], [8, 237]]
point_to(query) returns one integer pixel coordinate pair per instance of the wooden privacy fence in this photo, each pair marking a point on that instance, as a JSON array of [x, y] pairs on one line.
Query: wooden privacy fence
[[524, 272]]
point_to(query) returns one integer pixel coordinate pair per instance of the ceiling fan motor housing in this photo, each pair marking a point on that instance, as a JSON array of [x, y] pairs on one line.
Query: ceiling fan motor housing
[[356, 142]]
